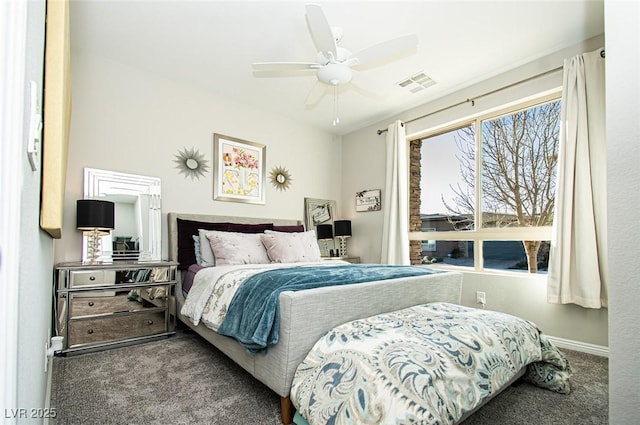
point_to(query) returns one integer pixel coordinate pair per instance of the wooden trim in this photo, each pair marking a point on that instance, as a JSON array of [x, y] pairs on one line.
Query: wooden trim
[[57, 116]]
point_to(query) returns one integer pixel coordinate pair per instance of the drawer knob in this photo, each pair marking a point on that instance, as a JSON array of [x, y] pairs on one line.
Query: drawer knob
[[90, 303], [92, 278], [90, 331], [149, 322]]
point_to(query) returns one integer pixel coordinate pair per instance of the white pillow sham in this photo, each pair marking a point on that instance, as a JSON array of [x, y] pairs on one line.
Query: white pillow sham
[[206, 254], [196, 249], [284, 247], [230, 248]]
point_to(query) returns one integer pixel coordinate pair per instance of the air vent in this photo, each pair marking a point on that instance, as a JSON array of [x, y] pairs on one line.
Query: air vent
[[417, 82]]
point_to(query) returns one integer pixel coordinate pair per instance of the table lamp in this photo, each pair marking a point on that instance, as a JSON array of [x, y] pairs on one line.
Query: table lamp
[[343, 231], [324, 233], [95, 218]]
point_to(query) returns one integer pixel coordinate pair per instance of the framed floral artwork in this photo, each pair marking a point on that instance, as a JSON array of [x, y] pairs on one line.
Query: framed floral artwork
[[239, 174]]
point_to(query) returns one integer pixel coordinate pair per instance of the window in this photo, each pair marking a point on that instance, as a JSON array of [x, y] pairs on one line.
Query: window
[[429, 245], [487, 189]]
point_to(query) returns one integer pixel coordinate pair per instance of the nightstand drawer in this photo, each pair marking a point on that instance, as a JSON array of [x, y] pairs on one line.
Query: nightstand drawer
[[82, 306], [92, 278], [121, 301], [118, 327]]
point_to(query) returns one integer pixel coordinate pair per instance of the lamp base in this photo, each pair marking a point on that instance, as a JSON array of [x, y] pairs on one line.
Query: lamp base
[[326, 247], [343, 246], [93, 247]]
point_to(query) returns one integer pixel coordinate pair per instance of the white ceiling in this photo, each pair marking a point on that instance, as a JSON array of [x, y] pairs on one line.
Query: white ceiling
[[211, 44]]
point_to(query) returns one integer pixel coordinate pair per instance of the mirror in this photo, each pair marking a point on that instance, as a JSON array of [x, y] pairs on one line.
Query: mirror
[[280, 178], [137, 199]]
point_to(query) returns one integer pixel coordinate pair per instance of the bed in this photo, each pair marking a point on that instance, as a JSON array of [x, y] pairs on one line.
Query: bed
[[304, 316], [432, 364]]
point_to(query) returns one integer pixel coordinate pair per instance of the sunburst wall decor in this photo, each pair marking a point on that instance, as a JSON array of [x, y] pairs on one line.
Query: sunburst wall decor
[[191, 163], [280, 178]]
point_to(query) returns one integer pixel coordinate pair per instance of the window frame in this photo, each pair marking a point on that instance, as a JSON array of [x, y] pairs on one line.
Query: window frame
[[479, 235]]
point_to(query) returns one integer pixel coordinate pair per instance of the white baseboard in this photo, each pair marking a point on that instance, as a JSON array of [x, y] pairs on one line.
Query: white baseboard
[[597, 350], [47, 397]]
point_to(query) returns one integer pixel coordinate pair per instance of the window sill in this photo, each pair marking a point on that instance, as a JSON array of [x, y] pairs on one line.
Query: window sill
[[486, 272]]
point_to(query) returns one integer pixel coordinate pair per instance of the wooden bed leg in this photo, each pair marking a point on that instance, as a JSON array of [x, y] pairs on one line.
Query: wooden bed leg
[[286, 410]]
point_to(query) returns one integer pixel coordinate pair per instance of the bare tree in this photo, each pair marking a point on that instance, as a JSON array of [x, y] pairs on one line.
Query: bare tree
[[519, 159]]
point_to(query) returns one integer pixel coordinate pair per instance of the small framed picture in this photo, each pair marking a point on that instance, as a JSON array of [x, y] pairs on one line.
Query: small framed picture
[[318, 211], [239, 174], [368, 200]]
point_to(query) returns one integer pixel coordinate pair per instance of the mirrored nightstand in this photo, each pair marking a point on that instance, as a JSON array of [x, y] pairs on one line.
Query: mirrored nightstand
[[352, 260], [107, 305]]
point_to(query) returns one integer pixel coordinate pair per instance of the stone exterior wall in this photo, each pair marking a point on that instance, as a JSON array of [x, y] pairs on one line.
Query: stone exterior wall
[[415, 224]]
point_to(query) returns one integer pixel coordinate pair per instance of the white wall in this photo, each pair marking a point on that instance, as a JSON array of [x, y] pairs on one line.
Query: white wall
[[524, 296], [128, 120], [623, 190], [35, 248]]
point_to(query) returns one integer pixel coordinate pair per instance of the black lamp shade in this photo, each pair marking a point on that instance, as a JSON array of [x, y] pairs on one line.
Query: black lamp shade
[[343, 227], [95, 214], [324, 231]]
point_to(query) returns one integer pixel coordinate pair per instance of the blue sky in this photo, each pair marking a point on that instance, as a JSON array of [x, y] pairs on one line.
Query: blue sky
[[440, 168]]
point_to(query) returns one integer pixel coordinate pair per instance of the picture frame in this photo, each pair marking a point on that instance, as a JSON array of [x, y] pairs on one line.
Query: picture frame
[[55, 128], [368, 200], [239, 170], [318, 211]]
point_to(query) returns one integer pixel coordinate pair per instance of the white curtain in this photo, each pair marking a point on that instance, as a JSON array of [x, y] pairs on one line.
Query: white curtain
[[578, 258], [395, 229]]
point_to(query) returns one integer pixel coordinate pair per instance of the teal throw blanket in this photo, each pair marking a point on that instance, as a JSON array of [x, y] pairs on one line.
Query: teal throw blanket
[[253, 315]]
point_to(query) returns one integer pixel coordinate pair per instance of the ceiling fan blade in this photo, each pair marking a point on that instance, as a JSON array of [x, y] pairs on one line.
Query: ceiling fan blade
[[277, 66], [384, 52], [316, 93], [366, 87], [284, 69], [320, 31]]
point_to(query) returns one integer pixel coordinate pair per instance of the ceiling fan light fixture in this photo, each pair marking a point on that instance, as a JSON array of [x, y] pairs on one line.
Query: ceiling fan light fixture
[[335, 74]]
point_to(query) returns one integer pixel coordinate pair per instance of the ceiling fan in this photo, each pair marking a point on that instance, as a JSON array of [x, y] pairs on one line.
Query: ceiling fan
[[336, 66]]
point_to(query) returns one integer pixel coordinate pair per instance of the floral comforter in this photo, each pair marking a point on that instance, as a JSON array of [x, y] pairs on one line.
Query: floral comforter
[[427, 364]]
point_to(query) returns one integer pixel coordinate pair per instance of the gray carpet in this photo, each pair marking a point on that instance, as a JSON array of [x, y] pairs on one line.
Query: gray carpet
[[183, 380], [588, 402]]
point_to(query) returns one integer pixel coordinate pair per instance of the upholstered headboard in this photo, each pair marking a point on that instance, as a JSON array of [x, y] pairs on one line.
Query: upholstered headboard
[[205, 218]]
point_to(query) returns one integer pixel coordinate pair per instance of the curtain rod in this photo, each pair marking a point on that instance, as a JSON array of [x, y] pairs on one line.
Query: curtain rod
[[542, 74]]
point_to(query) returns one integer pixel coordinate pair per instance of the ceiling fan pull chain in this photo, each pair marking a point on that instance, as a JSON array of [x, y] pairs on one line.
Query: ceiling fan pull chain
[[336, 120]]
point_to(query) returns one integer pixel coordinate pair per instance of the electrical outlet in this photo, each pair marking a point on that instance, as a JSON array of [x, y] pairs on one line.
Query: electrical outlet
[[481, 298], [51, 347]]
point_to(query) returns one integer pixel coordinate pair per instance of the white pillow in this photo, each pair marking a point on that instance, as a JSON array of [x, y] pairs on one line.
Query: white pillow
[[283, 247], [196, 249], [237, 248], [206, 254]]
